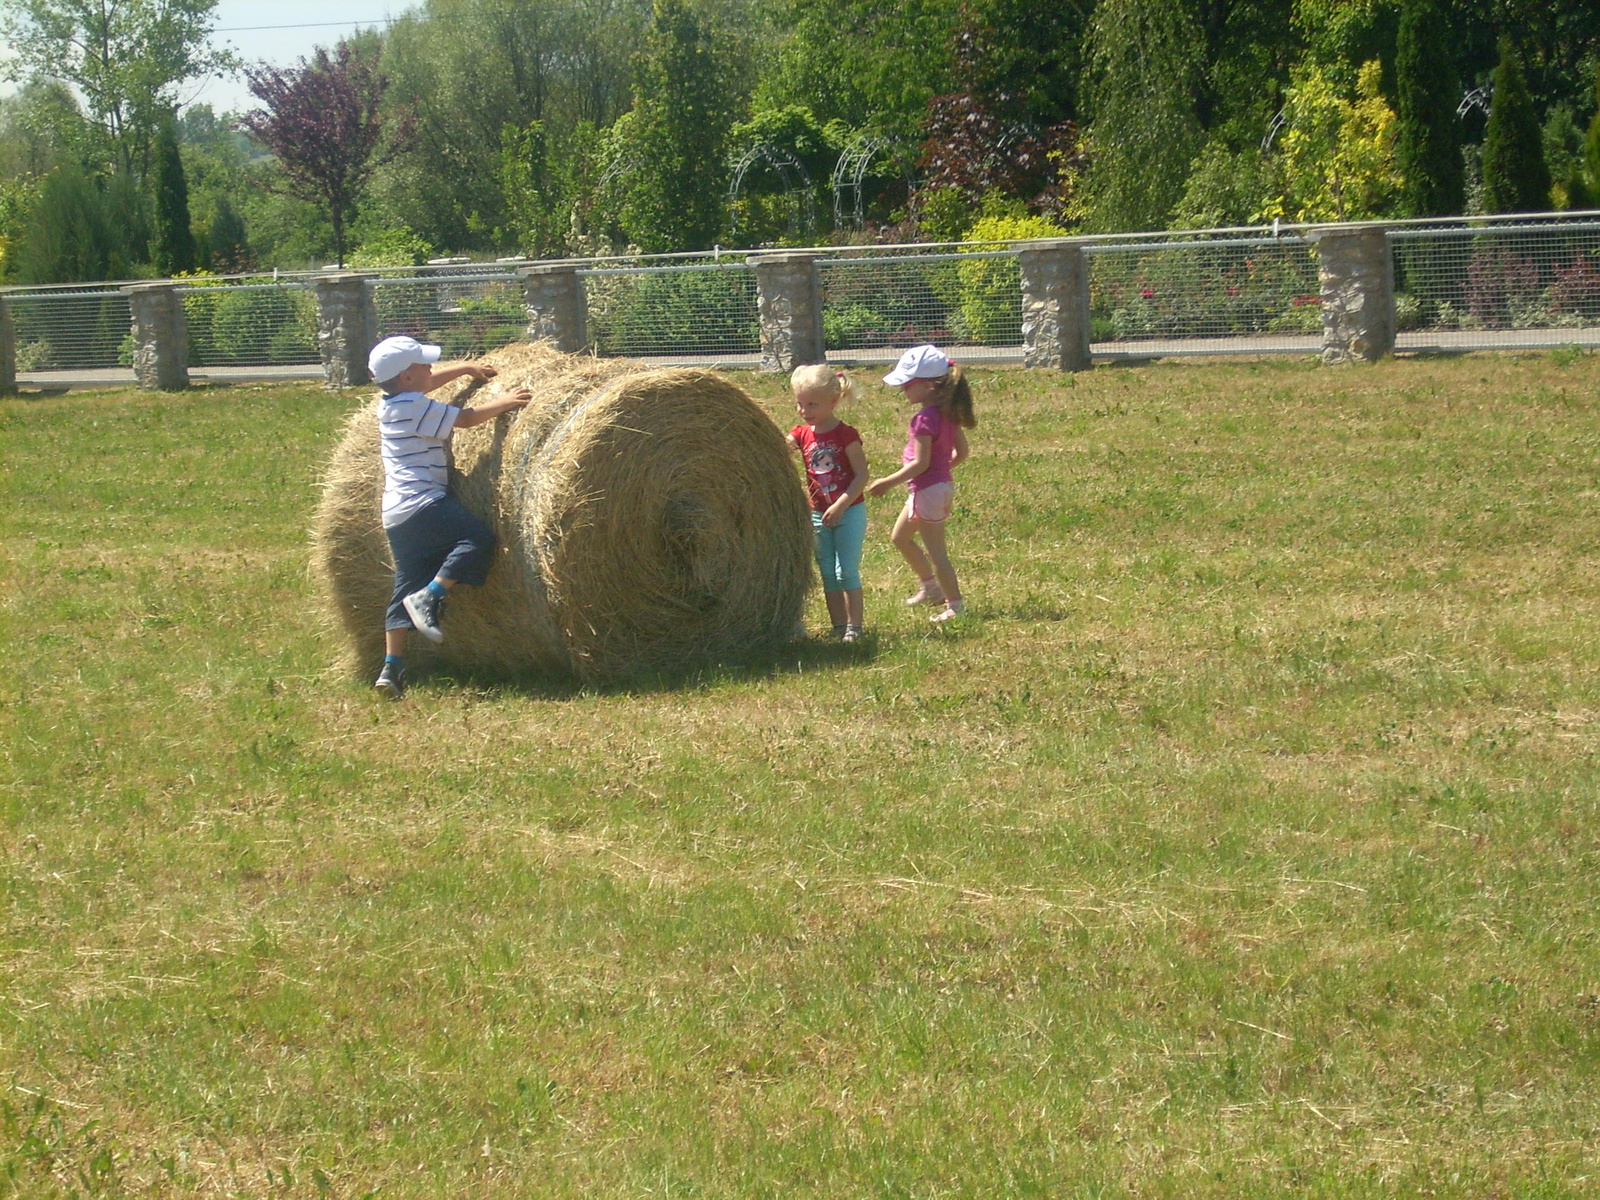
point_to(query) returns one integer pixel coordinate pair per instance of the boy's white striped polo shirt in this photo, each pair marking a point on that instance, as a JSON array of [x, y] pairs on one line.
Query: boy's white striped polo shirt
[[414, 434]]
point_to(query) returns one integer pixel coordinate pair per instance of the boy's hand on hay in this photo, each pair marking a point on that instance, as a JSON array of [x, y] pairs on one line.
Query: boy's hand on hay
[[481, 372], [479, 413]]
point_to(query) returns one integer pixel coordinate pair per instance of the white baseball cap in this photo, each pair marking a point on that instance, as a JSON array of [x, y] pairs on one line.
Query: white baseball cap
[[919, 362], [394, 354]]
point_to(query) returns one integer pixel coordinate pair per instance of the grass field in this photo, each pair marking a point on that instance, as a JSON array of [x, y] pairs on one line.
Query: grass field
[[1243, 841]]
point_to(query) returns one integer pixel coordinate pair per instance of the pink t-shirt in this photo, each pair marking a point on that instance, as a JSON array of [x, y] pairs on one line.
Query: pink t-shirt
[[933, 424]]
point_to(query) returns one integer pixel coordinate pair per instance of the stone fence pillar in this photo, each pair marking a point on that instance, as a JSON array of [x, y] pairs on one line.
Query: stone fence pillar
[[160, 337], [1357, 276], [1055, 306], [558, 310], [789, 302], [8, 348], [347, 329]]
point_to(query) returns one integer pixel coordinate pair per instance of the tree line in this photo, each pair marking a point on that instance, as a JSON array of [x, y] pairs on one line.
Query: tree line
[[576, 127]]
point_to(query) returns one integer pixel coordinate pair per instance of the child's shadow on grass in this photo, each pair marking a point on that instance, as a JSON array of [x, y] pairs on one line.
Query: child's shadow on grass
[[797, 658]]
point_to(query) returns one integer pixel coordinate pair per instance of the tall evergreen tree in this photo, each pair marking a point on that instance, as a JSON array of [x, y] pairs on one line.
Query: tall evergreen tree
[[172, 248], [681, 116], [226, 246], [1427, 142], [1515, 178]]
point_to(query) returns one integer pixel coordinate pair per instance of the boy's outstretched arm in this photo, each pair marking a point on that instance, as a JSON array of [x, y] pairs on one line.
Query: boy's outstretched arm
[[479, 413], [441, 376]]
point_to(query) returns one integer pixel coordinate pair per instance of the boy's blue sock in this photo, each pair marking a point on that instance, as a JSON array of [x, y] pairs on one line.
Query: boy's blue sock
[[393, 659], [438, 589]]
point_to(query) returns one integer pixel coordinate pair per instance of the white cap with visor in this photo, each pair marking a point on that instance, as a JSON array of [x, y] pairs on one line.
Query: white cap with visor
[[394, 354], [919, 362]]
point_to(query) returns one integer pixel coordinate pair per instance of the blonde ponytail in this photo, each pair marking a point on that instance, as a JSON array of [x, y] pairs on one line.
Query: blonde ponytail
[[822, 377]]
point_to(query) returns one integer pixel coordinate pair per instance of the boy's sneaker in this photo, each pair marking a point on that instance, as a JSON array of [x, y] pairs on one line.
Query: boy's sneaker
[[949, 612], [852, 633], [425, 609], [928, 593], [391, 681]]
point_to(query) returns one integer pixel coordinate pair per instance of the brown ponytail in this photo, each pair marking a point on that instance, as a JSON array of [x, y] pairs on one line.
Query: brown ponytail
[[954, 398]]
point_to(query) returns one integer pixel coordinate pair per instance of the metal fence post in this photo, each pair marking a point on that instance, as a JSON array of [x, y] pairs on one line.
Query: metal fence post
[[347, 328], [789, 305], [557, 307], [160, 337], [1356, 272], [8, 348], [1055, 306]]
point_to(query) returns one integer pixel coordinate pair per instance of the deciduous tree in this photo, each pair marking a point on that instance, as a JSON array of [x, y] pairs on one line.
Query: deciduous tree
[[323, 119], [1337, 154], [679, 134], [1145, 73], [125, 57]]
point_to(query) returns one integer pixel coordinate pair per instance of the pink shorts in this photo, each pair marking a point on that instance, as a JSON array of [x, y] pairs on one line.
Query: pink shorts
[[932, 504]]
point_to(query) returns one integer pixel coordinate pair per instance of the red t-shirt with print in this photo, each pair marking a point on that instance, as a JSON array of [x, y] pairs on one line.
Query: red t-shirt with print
[[828, 470]]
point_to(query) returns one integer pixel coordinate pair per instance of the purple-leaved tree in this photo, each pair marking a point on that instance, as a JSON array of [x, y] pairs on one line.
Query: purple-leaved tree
[[324, 121]]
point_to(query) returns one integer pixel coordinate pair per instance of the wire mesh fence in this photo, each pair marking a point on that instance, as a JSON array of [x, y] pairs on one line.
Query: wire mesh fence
[[87, 329], [888, 302], [250, 324], [702, 313], [467, 315], [1478, 283], [1204, 296], [1465, 285]]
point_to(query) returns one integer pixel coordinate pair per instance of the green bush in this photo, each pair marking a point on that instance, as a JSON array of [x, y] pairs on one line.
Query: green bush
[[483, 325], [260, 326], [991, 288], [696, 312]]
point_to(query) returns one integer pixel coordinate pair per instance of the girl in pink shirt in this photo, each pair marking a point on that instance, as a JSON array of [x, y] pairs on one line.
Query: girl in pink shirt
[[936, 444]]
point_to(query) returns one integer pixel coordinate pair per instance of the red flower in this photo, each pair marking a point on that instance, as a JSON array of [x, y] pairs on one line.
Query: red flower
[[1147, 293]]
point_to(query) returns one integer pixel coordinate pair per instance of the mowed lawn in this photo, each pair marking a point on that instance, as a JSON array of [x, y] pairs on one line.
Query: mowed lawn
[[1242, 842]]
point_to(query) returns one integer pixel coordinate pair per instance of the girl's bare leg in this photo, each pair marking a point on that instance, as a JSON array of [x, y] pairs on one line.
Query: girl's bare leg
[[933, 538], [836, 607], [853, 607], [904, 538]]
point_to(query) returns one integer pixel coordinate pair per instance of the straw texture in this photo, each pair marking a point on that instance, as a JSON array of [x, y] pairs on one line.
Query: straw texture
[[649, 520]]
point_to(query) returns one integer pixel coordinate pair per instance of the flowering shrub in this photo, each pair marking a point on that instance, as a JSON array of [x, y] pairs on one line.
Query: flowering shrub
[[1502, 289], [1576, 290], [1223, 291]]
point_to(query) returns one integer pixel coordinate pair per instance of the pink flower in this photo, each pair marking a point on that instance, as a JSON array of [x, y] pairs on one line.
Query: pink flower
[[1147, 293]]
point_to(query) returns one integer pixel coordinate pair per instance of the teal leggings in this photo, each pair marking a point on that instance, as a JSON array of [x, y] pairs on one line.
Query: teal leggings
[[839, 548]]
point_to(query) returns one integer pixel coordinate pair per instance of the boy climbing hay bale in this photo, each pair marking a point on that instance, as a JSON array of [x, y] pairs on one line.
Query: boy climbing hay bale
[[646, 521]]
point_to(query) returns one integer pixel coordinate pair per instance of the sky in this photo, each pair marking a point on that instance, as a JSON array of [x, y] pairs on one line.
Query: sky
[[298, 27]]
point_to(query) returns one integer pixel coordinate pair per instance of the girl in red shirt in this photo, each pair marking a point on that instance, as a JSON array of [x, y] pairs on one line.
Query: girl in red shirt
[[836, 474]]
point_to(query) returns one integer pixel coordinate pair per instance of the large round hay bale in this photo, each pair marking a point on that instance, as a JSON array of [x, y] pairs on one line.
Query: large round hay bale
[[649, 520]]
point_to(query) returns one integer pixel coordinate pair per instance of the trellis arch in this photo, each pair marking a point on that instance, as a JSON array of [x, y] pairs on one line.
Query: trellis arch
[[850, 173], [798, 185]]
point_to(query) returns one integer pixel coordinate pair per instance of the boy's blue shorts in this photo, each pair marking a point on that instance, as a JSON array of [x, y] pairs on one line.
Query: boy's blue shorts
[[442, 538]]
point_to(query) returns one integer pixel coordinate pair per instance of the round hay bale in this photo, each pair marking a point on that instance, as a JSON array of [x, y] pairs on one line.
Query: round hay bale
[[649, 520]]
